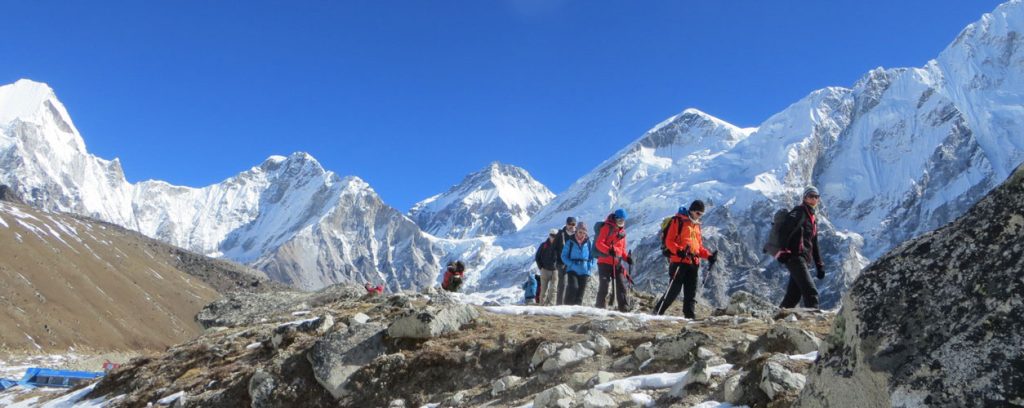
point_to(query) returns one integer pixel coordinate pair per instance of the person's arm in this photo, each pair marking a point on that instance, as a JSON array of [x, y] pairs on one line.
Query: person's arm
[[817, 255], [565, 255], [536, 256]]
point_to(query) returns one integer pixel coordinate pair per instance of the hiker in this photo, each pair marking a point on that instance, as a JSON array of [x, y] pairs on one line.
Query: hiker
[[547, 259], [610, 246], [373, 290], [453, 276], [564, 235], [684, 243], [530, 288], [578, 257], [800, 249]]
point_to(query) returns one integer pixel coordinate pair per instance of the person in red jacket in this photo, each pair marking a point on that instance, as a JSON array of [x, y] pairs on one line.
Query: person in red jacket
[[684, 241], [611, 249], [453, 276]]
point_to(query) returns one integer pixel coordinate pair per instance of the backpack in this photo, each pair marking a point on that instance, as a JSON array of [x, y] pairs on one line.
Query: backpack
[[597, 234], [664, 234], [776, 242]]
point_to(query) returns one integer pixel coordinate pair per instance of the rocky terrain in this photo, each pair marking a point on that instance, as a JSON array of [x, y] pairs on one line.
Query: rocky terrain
[[342, 347]]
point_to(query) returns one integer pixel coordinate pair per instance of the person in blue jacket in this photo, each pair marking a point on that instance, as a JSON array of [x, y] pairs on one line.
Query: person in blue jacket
[[578, 257], [530, 288]]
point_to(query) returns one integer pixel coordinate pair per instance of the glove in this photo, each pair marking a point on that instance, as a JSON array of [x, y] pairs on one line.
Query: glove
[[784, 257], [611, 251], [821, 272], [629, 260], [680, 253], [712, 259]]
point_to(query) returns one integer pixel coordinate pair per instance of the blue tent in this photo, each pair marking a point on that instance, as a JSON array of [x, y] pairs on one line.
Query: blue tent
[[5, 383], [45, 377]]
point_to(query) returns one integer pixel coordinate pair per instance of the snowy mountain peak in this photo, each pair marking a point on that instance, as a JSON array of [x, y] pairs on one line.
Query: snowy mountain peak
[[496, 200]]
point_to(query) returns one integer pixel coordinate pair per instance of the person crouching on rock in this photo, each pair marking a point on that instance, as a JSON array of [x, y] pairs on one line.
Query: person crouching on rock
[[530, 289], [800, 250], [453, 276], [578, 257]]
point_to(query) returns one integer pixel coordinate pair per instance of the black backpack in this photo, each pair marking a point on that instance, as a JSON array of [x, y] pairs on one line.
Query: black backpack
[[776, 242], [665, 223]]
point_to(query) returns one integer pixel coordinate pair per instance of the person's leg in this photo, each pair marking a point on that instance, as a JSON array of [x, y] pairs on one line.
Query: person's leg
[[581, 288], [689, 278], [792, 297], [808, 291], [673, 289], [560, 297], [604, 273], [570, 288], [546, 292], [620, 292]]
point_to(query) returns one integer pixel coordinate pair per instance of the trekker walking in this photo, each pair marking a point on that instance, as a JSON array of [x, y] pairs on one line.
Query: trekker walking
[[564, 235], [578, 257], [800, 249], [453, 276], [610, 246], [547, 259], [684, 242]]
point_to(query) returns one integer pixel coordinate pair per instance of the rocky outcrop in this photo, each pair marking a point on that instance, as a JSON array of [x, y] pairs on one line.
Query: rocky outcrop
[[939, 321], [433, 322], [337, 356]]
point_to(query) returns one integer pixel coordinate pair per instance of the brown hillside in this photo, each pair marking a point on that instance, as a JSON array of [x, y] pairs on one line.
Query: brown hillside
[[67, 281]]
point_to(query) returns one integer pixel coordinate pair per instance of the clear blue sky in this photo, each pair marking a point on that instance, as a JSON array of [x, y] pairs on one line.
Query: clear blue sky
[[413, 95]]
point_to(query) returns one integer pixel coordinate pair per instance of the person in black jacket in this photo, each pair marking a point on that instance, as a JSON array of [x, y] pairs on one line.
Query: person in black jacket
[[567, 233], [801, 249], [547, 258]]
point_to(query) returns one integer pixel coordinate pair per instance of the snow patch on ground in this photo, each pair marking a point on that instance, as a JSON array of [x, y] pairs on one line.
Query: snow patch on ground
[[567, 311]]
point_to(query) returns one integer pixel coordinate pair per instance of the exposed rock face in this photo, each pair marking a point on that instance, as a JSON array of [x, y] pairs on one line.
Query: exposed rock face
[[787, 339], [433, 322], [240, 309], [939, 321], [337, 356]]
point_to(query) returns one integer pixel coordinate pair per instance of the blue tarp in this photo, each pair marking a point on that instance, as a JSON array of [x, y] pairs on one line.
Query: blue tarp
[[45, 377], [5, 383]]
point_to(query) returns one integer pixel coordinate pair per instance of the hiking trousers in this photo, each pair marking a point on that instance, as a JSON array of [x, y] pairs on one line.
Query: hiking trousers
[[606, 274], [684, 277], [574, 288], [547, 292], [560, 297], [800, 285]]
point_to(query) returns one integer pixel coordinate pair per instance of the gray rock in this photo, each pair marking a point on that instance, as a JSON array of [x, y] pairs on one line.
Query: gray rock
[[340, 354], [644, 351], [433, 322], [681, 347], [597, 343], [624, 363], [937, 321], [788, 340], [609, 325], [598, 399], [559, 396], [503, 384], [776, 379], [744, 303], [283, 333], [580, 380], [359, 318], [731, 390], [704, 354], [567, 357], [398, 403], [698, 374], [602, 377], [543, 352], [261, 388]]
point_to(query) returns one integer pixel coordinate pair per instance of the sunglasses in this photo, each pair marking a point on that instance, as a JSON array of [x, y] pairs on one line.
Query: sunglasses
[[814, 196]]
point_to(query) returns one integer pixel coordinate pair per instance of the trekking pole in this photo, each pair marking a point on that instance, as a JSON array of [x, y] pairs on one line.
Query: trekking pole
[[707, 274]]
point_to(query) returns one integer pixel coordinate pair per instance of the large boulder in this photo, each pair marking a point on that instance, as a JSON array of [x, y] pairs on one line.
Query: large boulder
[[681, 347], [938, 321], [744, 303], [782, 338], [434, 321], [777, 379], [559, 396], [340, 354]]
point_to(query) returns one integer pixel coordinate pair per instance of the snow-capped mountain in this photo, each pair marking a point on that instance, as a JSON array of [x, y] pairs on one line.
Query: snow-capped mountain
[[901, 152], [498, 200], [288, 216]]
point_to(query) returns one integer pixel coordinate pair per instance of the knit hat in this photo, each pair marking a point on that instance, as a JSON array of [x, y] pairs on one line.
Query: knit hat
[[810, 190], [683, 210], [697, 205], [620, 214], [553, 232], [570, 220]]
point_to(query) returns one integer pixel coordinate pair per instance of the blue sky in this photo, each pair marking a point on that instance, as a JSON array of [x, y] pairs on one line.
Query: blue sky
[[413, 95]]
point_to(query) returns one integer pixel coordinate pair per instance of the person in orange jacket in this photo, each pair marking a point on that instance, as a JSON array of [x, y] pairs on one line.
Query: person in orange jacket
[[611, 249], [684, 241]]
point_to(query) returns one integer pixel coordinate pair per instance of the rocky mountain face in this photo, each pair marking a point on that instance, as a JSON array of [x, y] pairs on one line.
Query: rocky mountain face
[[70, 281], [288, 216], [497, 200], [938, 320]]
